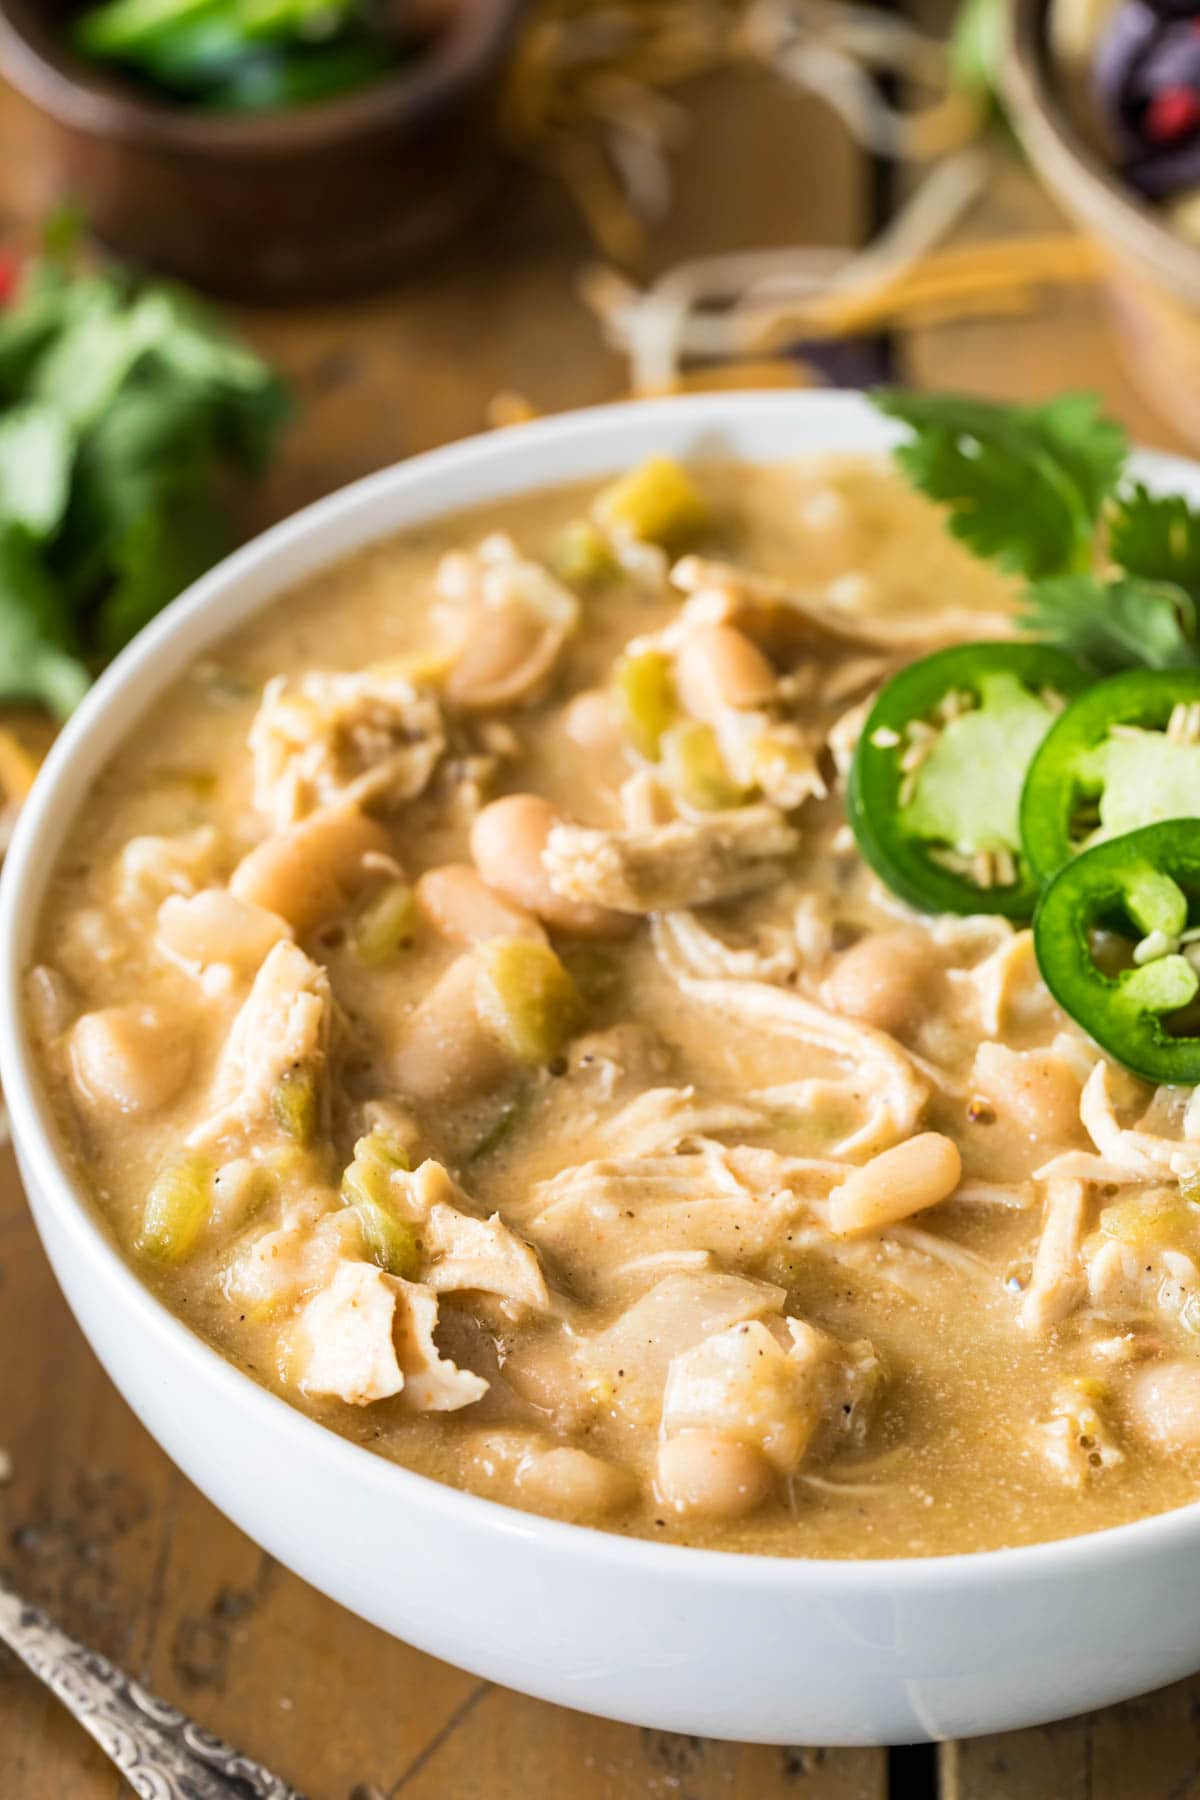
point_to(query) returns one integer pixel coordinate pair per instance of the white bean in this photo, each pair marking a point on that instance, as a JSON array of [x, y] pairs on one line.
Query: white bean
[[709, 1475], [306, 873], [507, 656], [128, 1059], [444, 1052], [1164, 1405], [461, 907], [1037, 1090], [895, 1184], [573, 1483], [214, 926], [886, 981], [590, 721], [719, 667], [507, 841]]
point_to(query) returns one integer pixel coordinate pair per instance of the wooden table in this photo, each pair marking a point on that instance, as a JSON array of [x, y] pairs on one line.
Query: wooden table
[[94, 1521]]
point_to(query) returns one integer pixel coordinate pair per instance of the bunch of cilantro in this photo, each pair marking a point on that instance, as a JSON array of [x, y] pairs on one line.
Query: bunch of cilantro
[[123, 411], [1112, 570]]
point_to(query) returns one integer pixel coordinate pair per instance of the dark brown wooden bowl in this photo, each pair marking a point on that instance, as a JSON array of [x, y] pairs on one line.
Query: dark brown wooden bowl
[[284, 205]]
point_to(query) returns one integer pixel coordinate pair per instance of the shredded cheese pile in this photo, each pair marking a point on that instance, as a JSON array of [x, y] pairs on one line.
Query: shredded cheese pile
[[591, 96]]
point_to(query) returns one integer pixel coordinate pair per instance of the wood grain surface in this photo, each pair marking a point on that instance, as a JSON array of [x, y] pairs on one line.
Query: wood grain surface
[[94, 1522]]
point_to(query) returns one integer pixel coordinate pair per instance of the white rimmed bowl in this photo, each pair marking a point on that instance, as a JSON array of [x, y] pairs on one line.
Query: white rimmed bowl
[[760, 1648]]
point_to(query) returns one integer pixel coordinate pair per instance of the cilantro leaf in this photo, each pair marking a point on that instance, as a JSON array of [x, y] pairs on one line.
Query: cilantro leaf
[[1090, 447], [162, 551], [157, 435], [38, 659], [36, 451], [1024, 484], [248, 401], [46, 298], [122, 409], [96, 350], [1126, 623], [1156, 536]]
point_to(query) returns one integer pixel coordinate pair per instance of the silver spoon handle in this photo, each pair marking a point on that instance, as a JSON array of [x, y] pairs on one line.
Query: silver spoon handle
[[162, 1754]]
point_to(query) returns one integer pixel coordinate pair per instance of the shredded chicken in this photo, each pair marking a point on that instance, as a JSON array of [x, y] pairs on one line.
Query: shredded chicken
[[689, 862], [326, 736], [763, 1387], [662, 1118], [283, 1031], [1076, 1441], [787, 623], [682, 936], [739, 1203], [462, 1252], [369, 1335], [150, 868], [507, 620], [843, 735], [1084, 1165], [1129, 1281], [1057, 1284], [774, 757], [626, 1365], [345, 1334], [1140, 1153], [273, 1269], [432, 1383], [998, 983], [883, 1082]]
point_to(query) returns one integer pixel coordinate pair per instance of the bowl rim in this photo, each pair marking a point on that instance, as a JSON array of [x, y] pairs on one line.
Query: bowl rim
[[1072, 168], [826, 423], [461, 56]]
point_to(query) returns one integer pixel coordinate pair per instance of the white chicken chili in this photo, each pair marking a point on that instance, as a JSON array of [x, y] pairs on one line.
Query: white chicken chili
[[469, 1008]]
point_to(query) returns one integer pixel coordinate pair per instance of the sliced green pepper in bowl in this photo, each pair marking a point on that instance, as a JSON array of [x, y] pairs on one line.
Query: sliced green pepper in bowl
[[1124, 754], [1143, 887], [935, 786]]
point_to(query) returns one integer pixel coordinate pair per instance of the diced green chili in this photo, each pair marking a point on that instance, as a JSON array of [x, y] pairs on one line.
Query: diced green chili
[[582, 556], [694, 768], [644, 689], [525, 997], [385, 924], [391, 1241], [1162, 1217], [657, 502], [296, 1103], [177, 1208]]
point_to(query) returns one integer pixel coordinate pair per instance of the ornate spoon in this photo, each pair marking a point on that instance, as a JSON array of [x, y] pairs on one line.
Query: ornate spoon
[[162, 1754]]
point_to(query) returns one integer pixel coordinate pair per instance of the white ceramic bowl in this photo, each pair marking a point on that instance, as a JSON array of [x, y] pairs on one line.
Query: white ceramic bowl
[[780, 1651]]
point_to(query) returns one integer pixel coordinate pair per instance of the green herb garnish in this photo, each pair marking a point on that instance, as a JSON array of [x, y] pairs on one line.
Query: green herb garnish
[[1156, 536], [1024, 484], [241, 55], [122, 408], [1113, 571], [1108, 626]]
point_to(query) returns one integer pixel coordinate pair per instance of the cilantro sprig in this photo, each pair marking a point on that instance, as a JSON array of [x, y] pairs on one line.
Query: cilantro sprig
[[1112, 570], [123, 410]]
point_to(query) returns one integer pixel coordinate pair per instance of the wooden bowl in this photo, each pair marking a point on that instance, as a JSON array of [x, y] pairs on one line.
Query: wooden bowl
[[279, 205], [1152, 275]]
